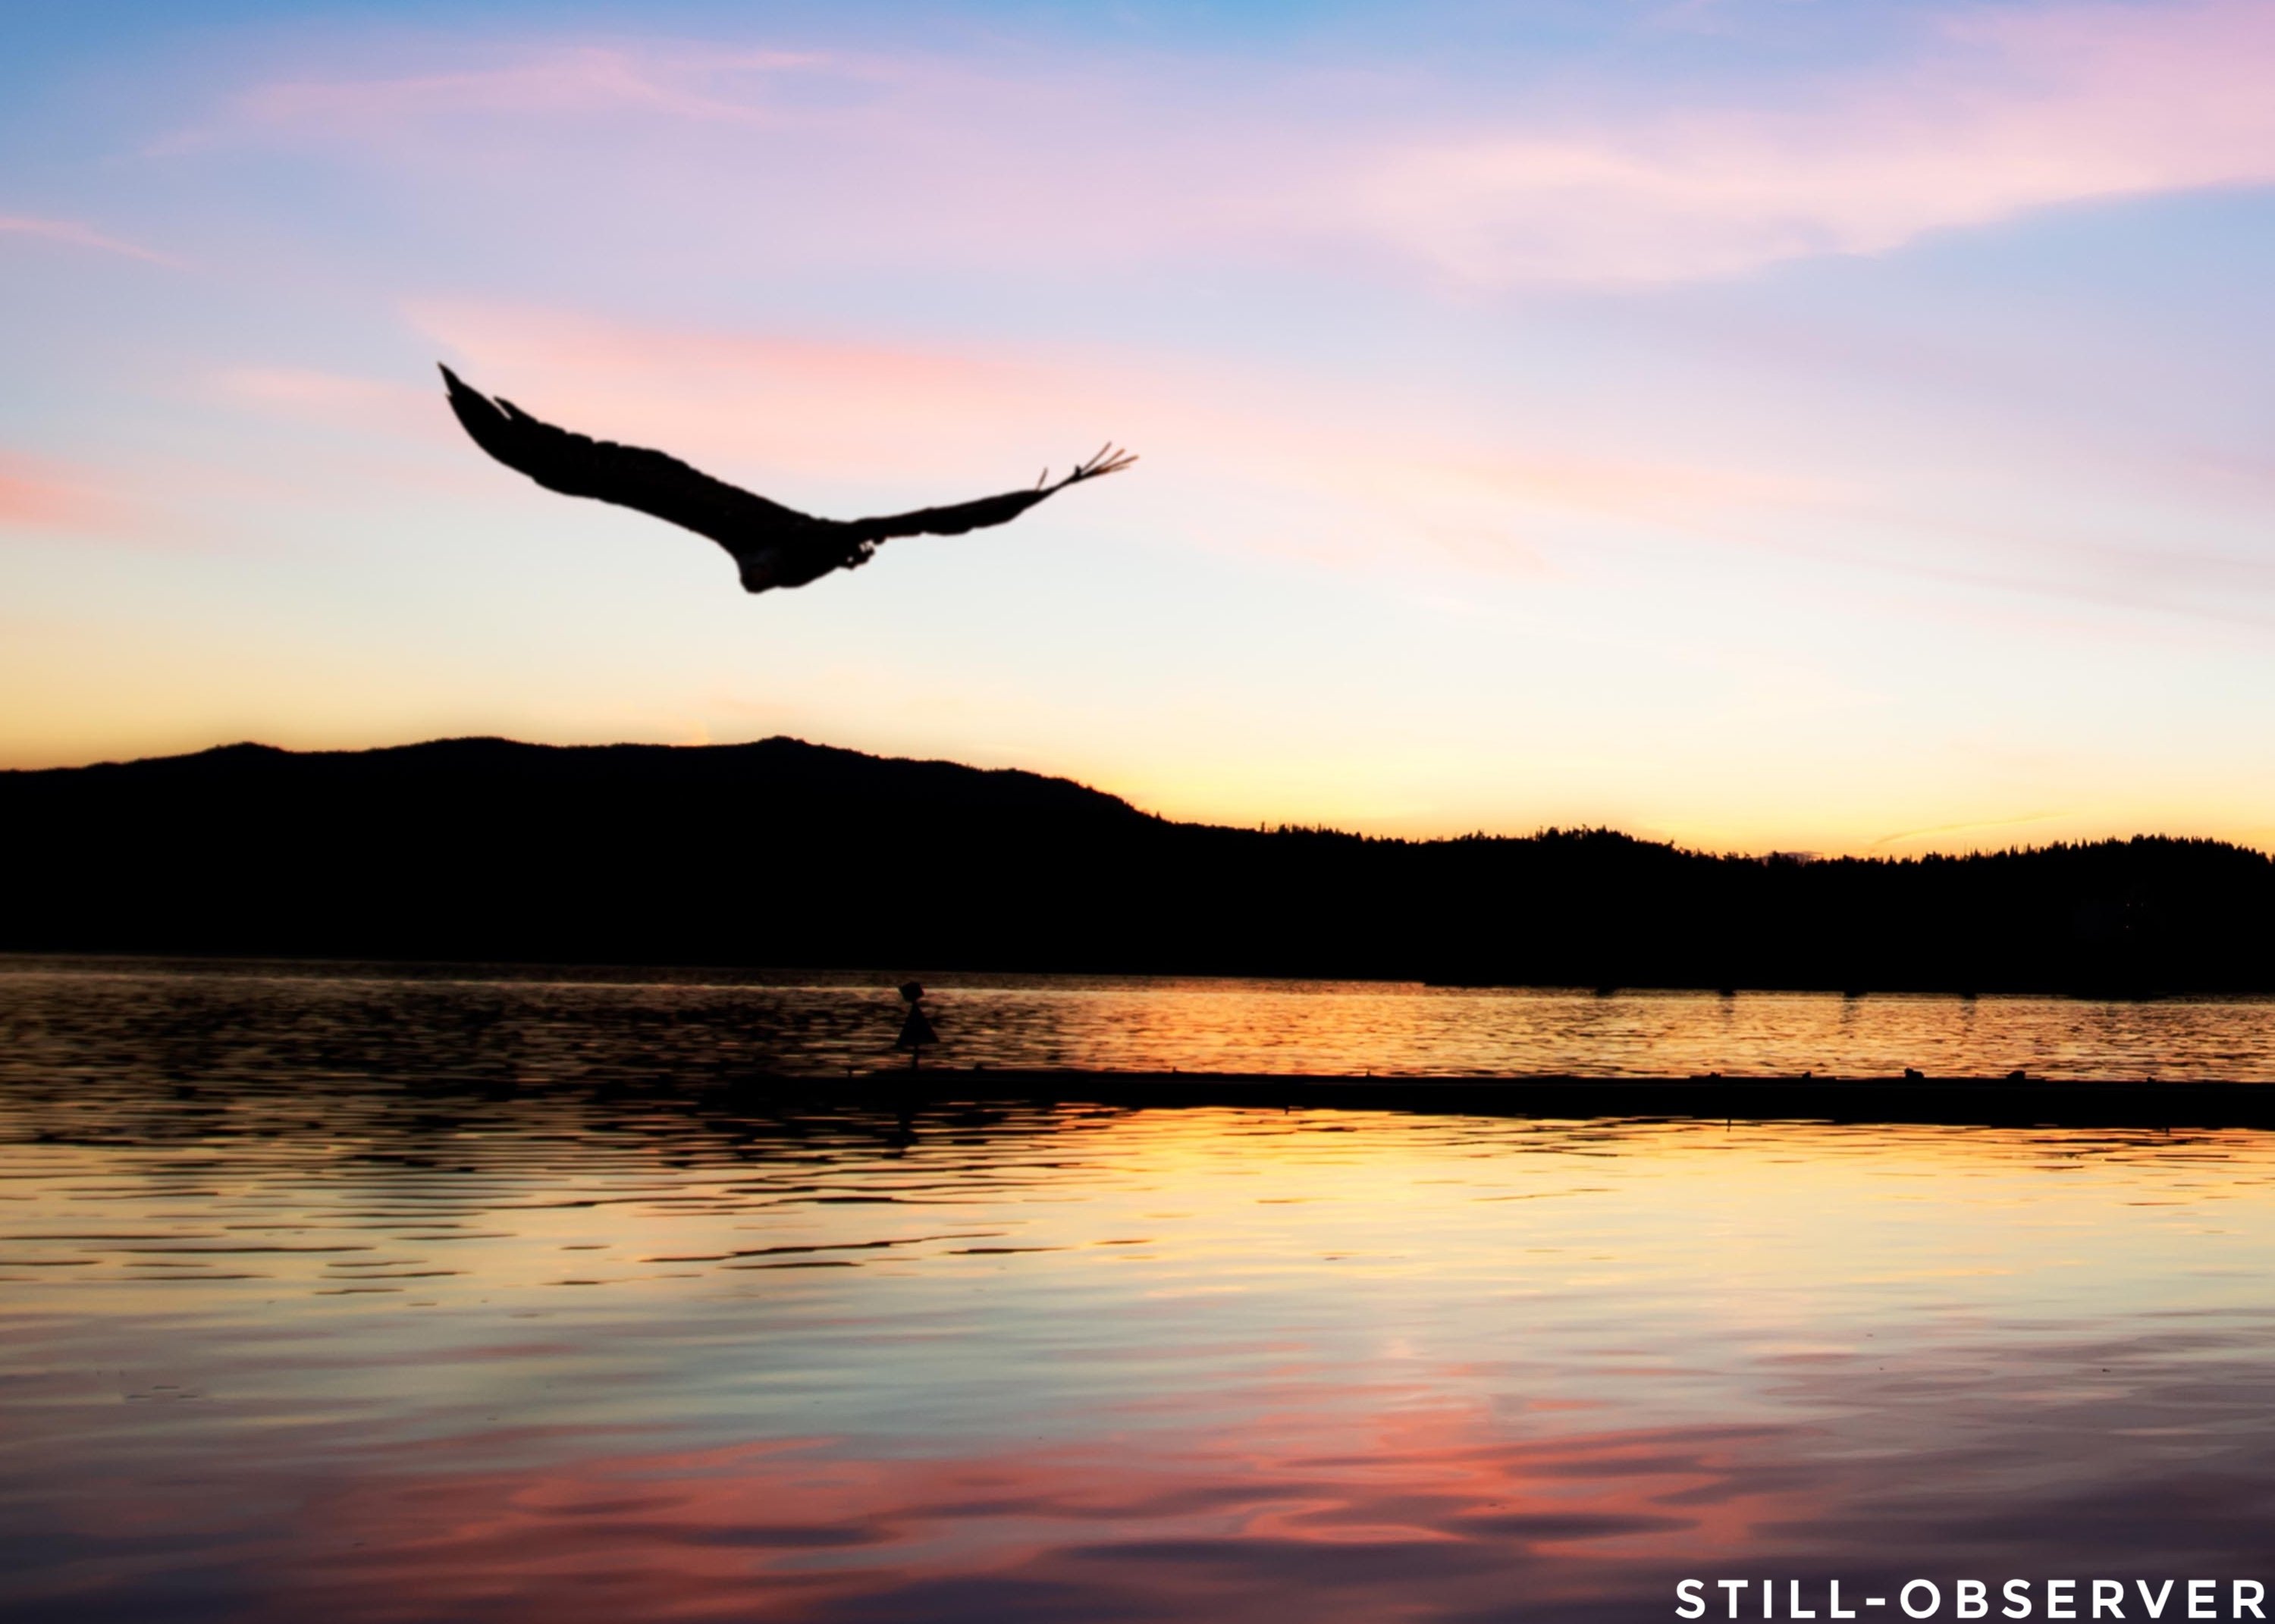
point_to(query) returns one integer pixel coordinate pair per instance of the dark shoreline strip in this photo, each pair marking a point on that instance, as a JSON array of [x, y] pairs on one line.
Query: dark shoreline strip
[[1960, 1101]]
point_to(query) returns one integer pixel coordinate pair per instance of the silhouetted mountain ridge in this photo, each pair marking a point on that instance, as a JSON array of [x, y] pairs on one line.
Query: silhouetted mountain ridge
[[778, 763], [784, 852]]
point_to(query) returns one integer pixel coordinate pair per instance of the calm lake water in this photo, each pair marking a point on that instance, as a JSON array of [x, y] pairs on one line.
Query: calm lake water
[[411, 1297]]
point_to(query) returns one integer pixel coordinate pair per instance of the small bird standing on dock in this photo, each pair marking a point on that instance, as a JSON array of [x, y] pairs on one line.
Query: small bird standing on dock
[[916, 1032]]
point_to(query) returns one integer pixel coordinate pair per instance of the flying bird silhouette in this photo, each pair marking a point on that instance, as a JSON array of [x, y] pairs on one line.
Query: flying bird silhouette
[[772, 544]]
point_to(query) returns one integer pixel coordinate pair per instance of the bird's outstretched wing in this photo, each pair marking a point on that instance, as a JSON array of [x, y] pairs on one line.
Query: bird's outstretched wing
[[578, 465], [964, 516]]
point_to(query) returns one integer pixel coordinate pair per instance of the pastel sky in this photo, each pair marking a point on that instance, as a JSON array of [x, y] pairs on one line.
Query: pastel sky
[[1765, 424]]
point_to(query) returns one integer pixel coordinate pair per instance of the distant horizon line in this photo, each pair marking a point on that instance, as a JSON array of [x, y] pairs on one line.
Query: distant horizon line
[[1802, 856]]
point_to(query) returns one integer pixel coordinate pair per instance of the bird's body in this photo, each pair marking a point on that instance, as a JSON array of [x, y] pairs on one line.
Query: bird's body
[[772, 544]]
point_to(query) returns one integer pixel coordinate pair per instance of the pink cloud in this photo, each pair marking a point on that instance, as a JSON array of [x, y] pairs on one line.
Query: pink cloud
[[382, 404], [2008, 114], [833, 408], [1074, 160], [576, 80], [82, 236], [43, 496]]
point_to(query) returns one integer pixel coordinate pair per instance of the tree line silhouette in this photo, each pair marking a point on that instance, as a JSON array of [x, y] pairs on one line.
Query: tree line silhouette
[[789, 854]]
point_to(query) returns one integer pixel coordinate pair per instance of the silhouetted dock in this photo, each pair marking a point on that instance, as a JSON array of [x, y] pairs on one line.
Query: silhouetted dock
[[1980, 1101]]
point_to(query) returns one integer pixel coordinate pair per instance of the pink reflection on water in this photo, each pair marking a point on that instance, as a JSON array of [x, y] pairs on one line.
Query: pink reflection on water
[[1337, 1513]]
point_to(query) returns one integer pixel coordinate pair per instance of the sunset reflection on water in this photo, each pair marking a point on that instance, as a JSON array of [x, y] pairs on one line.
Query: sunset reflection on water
[[306, 1317]]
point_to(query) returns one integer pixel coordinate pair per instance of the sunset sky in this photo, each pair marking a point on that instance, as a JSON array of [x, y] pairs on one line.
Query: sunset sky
[[1764, 423]]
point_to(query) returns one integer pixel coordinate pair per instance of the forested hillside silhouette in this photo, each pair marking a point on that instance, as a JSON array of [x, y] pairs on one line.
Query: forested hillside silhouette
[[784, 853]]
